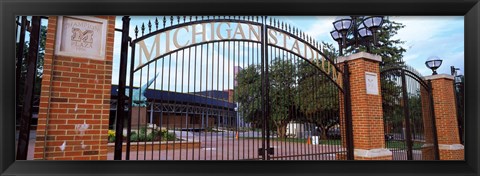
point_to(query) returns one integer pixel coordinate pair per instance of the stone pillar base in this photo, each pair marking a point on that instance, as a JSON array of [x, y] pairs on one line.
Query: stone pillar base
[[451, 152], [373, 154], [428, 152]]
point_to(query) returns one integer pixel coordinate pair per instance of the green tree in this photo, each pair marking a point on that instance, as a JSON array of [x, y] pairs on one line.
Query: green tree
[[319, 98], [281, 94], [40, 60], [248, 94], [389, 49], [282, 78]]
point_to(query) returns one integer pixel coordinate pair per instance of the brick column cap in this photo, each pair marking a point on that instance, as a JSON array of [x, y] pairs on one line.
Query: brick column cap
[[439, 76], [359, 55], [372, 152]]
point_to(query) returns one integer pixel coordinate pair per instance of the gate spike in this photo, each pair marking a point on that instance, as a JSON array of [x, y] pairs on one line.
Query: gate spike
[[143, 28], [171, 20], [202, 17], [257, 18], [136, 31], [270, 21], [196, 18], [156, 23], [184, 17], [149, 26], [178, 19], [164, 21], [190, 18]]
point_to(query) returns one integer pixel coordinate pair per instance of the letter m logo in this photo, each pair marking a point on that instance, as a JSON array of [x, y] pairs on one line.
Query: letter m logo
[[82, 36]]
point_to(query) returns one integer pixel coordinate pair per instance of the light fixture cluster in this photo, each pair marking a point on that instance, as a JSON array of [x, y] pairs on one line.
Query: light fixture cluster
[[363, 33]]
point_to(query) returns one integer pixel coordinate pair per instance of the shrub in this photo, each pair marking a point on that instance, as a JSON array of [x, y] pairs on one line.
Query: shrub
[[143, 130], [134, 138], [111, 135], [168, 136], [155, 135]]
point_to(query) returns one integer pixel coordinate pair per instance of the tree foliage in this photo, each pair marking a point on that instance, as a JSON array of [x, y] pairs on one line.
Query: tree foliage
[[40, 61], [300, 92], [387, 47], [41, 54]]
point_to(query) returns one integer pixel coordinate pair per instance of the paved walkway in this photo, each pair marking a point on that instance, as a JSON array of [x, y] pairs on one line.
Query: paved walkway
[[217, 146], [31, 144]]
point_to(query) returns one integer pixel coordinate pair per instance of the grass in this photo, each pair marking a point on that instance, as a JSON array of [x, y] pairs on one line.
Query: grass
[[295, 140], [402, 144], [390, 144]]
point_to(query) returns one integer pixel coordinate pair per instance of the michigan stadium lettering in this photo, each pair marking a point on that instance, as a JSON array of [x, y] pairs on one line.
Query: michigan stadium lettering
[[163, 43]]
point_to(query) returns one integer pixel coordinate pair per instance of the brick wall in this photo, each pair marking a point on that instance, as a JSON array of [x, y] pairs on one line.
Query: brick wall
[[367, 114], [446, 117], [452, 154], [74, 91], [445, 111]]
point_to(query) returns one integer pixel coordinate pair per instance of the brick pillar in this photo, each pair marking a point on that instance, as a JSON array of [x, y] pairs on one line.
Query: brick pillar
[[367, 114], [75, 94], [428, 150], [446, 117]]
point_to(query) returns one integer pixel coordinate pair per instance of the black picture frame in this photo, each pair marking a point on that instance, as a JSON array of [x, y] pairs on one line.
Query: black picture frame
[[9, 9]]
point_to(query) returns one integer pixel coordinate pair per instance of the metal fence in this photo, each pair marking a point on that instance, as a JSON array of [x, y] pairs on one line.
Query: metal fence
[[231, 98], [408, 115]]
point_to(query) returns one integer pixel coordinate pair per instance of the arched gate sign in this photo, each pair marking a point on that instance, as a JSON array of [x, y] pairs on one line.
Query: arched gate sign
[[229, 88]]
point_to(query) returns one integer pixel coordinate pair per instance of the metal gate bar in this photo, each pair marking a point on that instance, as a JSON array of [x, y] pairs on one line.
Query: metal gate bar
[[410, 131], [229, 120]]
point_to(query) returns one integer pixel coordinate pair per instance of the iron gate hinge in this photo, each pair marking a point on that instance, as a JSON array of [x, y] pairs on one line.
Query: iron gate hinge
[[261, 151]]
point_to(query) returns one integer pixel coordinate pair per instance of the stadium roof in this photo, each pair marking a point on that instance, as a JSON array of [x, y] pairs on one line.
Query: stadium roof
[[205, 98]]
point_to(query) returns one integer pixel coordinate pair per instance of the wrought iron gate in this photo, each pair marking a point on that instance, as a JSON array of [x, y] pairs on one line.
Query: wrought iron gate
[[408, 115], [27, 79], [229, 90]]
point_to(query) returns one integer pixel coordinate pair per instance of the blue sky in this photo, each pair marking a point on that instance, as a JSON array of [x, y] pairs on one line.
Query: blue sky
[[424, 36]]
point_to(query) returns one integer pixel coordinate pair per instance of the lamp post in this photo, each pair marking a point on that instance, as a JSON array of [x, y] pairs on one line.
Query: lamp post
[[347, 33], [456, 74], [433, 63]]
